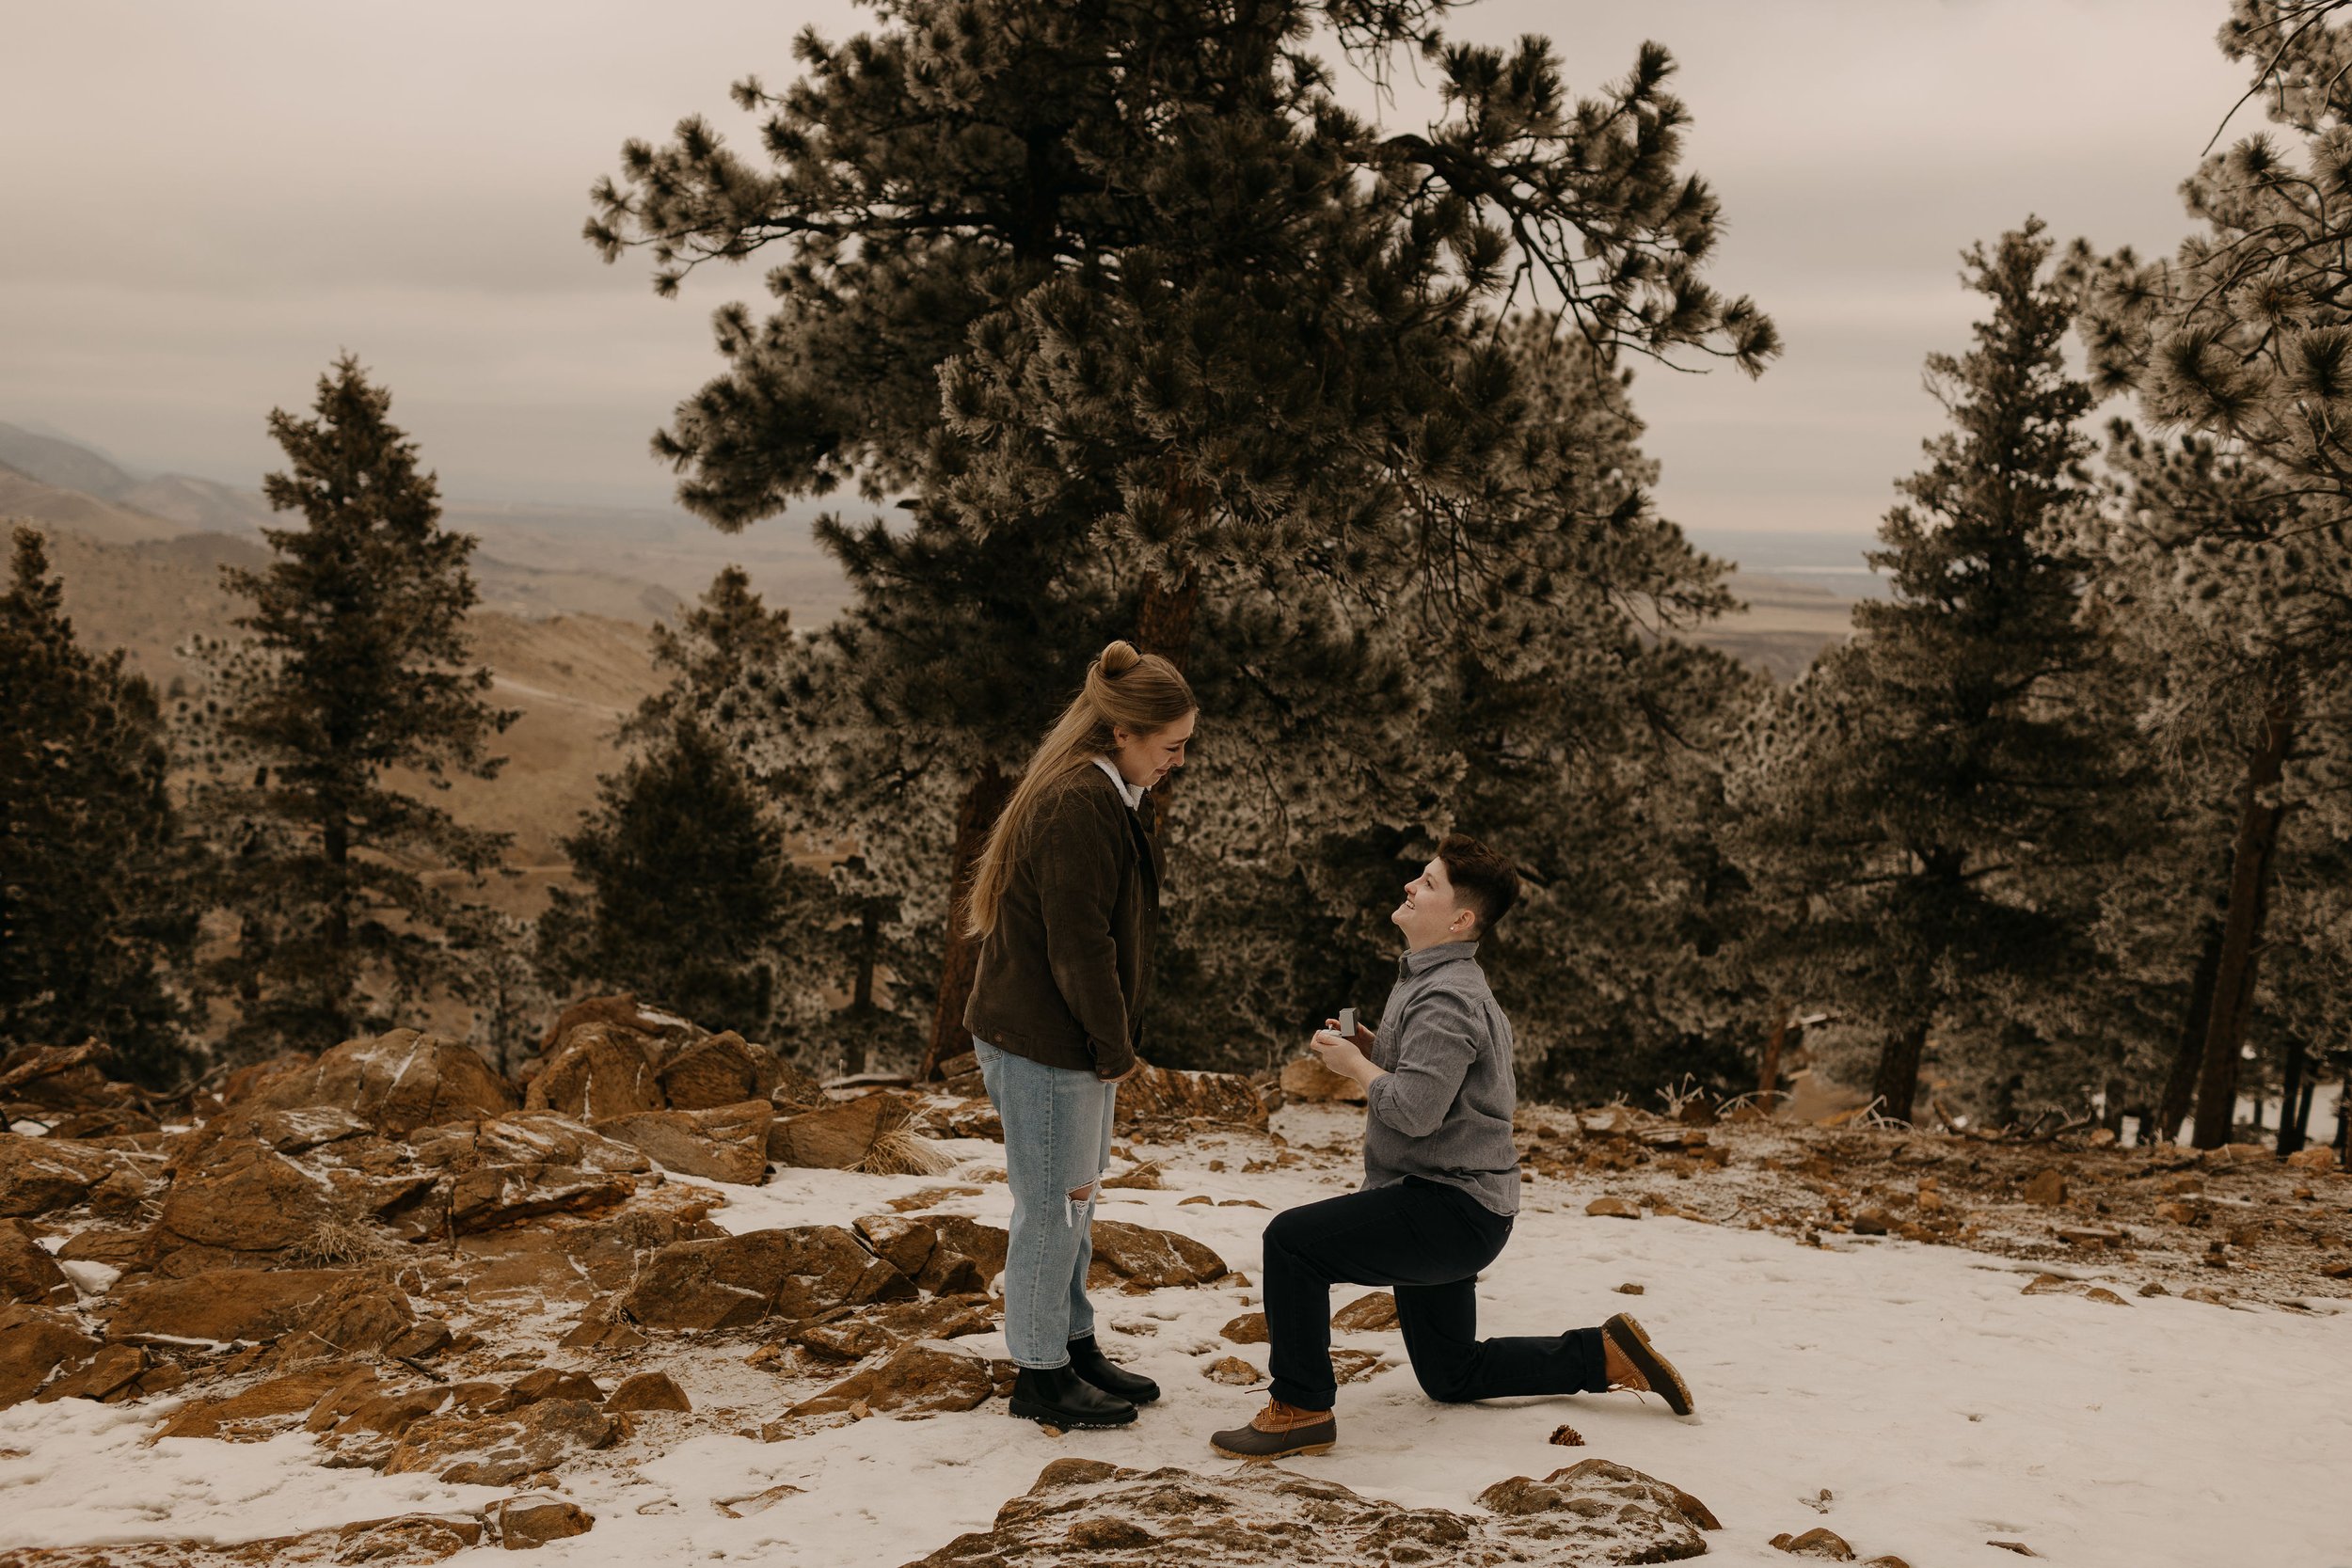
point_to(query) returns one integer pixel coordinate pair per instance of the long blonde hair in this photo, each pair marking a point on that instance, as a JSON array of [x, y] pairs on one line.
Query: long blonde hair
[[1140, 693]]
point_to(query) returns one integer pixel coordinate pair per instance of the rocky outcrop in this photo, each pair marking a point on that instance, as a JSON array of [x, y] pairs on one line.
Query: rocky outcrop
[[794, 1273], [943, 1254], [919, 1377], [396, 1082], [1157, 1094], [28, 1274], [39, 1176], [601, 1070], [838, 1137], [521, 1166], [1086, 1514], [348, 1307], [718, 1070], [723, 1143], [34, 1342], [851, 1333], [1136, 1258], [498, 1450]]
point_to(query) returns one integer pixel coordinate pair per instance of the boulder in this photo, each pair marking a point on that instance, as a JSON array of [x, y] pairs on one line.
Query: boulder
[[519, 1166], [715, 1071], [396, 1082], [2047, 1188], [228, 1305], [1309, 1078], [793, 1273], [601, 1070], [1375, 1313], [34, 1342], [1613, 1209], [1820, 1541], [111, 1376], [648, 1391], [919, 1377], [39, 1176], [1247, 1329], [61, 1077], [724, 1143], [1082, 1513], [501, 1449], [1162, 1094], [243, 1197], [853, 1333], [943, 1254], [27, 1273], [261, 1411], [838, 1136], [526, 1524], [1136, 1258]]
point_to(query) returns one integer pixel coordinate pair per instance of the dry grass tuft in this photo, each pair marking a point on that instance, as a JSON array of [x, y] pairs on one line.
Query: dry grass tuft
[[338, 1241], [903, 1151]]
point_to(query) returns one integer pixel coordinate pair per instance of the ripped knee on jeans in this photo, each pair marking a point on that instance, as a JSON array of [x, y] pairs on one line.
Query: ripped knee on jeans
[[1077, 1196]]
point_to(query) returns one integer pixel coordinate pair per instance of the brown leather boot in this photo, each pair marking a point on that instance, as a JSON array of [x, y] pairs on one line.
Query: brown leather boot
[[1278, 1432], [1634, 1363]]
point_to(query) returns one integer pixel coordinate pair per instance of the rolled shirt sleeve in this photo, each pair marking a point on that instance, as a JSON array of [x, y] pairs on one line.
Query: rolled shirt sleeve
[[1437, 1044]]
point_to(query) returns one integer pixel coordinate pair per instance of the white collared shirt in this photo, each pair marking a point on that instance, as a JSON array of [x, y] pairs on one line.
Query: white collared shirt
[[1132, 794]]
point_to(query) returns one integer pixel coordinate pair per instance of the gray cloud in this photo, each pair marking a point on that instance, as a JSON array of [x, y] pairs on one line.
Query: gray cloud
[[208, 203]]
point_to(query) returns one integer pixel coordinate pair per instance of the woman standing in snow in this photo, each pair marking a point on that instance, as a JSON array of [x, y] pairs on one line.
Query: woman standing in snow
[[1065, 904]]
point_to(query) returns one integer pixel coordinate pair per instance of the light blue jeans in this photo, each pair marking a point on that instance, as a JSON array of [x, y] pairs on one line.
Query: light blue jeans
[[1058, 1139]]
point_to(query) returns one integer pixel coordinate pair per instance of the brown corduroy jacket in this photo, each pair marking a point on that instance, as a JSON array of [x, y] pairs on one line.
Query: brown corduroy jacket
[[1064, 976]]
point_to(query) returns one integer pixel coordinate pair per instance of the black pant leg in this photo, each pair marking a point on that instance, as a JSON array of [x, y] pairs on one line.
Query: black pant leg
[[1452, 1364], [1408, 1234]]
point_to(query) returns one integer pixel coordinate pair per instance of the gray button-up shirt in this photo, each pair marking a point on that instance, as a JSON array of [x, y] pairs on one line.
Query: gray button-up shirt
[[1444, 1110]]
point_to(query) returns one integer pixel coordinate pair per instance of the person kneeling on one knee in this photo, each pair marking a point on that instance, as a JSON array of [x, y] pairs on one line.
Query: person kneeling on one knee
[[1441, 1186]]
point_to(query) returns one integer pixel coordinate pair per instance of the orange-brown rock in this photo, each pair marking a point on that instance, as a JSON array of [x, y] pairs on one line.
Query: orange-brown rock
[[27, 1272], [1163, 1093], [919, 1377], [1247, 1329], [526, 1524], [397, 1082], [943, 1254], [648, 1391], [1820, 1541], [522, 1165], [34, 1342], [837, 1136], [1083, 1512], [1136, 1258], [853, 1334], [1370, 1314], [1308, 1079], [601, 1070], [228, 1305], [718, 1070], [724, 1143], [258, 1411], [244, 1197], [502, 1449], [41, 1175], [794, 1273]]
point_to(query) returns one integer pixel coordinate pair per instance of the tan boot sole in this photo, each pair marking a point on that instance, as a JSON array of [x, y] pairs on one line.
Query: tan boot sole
[[1656, 1370]]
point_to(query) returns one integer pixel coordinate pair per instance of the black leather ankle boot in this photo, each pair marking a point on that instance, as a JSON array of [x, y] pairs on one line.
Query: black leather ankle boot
[[1059, 1397], [1088, 1360]]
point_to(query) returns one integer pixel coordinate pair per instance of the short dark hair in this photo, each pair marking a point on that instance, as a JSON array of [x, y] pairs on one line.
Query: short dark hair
[[1485, 882]]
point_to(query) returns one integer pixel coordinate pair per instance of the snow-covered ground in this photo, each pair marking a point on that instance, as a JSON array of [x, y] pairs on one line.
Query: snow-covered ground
[[1936, 1406]]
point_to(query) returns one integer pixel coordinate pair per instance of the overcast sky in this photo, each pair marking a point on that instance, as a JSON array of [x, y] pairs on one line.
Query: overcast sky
[[203, 203]]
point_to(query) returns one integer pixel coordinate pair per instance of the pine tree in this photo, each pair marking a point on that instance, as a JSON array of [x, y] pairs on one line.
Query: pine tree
[[1924, 800], [356, 666], [98, 916], [2244, 337], [687, 893], [692, 893], [1125, 283]]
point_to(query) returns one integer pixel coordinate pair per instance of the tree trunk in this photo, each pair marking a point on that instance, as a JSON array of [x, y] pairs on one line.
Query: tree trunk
[[1164, 619], [1897, 1082], [983, 801], [2303, 1106], [861, 1010], [2180, 1085], [1768, 1082], [2260, 810], [2291, 1094]]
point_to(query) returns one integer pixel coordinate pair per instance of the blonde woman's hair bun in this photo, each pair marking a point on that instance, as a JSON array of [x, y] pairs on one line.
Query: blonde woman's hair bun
[[1116, 658]]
